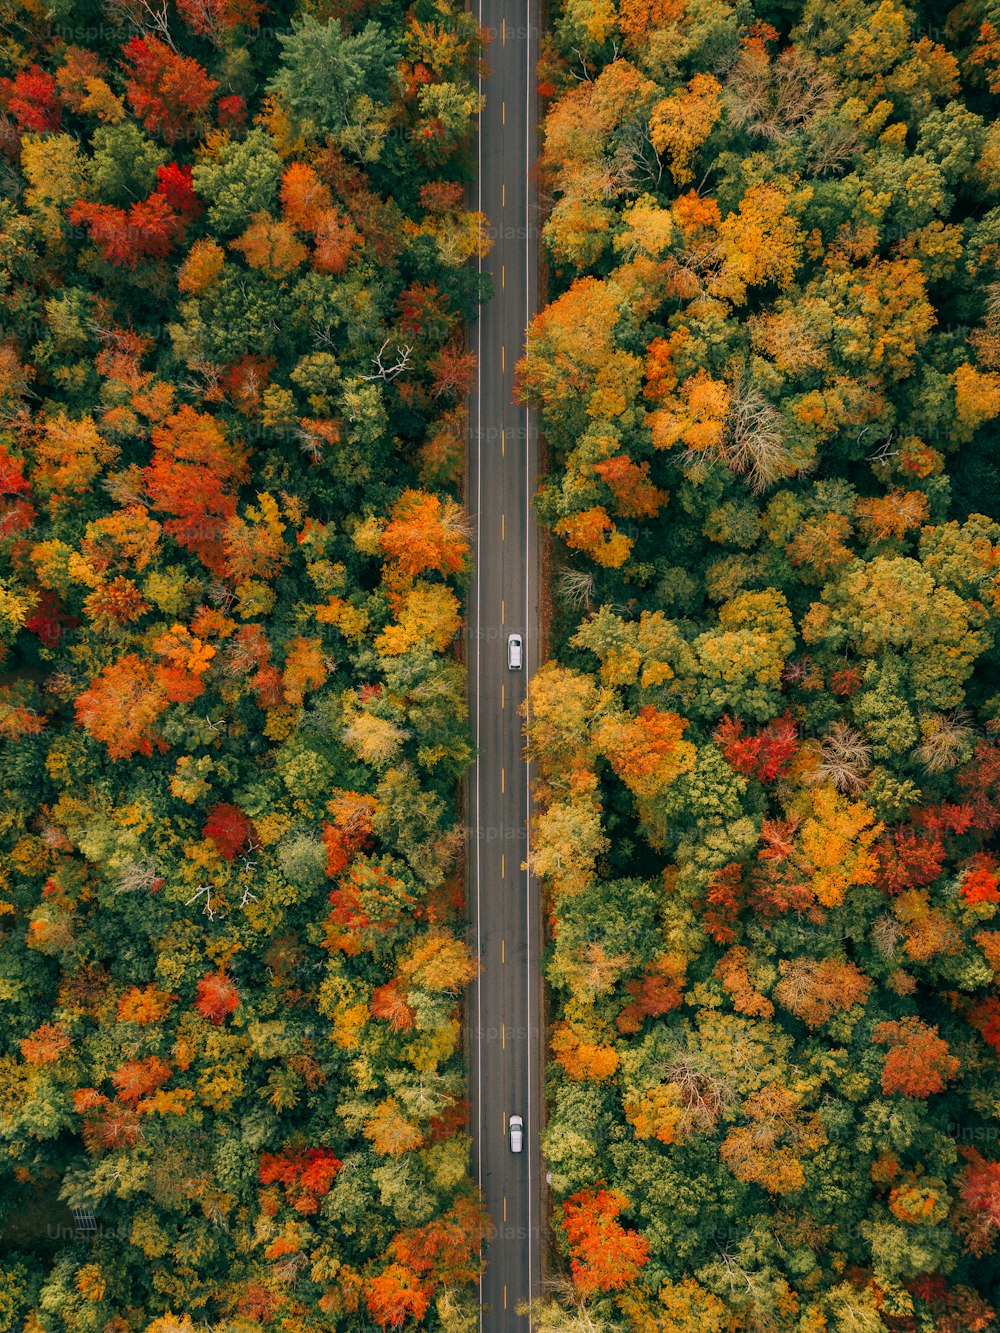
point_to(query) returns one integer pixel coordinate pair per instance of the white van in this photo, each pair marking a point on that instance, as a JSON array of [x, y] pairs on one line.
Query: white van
[[514, 652]]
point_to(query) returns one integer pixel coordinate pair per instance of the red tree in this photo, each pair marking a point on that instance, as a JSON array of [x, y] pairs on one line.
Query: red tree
[[454, 370], [424, 311], [350, 831], [918, 1062], [977, 1217], [985, 1018], [115, 1126], [128, 238], [388, 1002], [169, 93], [845, 681], [603, 1255], [723, 900], [658, 991], [908, 858], [16, 513], [981, 1187], [174, 184], [764, 756], [396, 1295], [980, 883], [232, 112], [943, 818], [216, 997], [230, 830], [193, 476], [980, 781], [305, 1175], [448, 1249], [32, 98], [136, 1079]]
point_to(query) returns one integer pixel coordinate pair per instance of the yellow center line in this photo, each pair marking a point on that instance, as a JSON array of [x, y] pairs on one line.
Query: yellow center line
[[503, 442], [503, 951], [503, 276], [503, 113], [503, 617], [503, 696], [503, 194], [505, 1122], [503, 527], [503, 781], [503, 358], [505, 1208], [503, 866], [505, 1295], [503, 1036], [503, 32]]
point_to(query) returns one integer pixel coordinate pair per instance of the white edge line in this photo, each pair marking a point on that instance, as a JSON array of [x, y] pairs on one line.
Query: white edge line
[[527, 611], [479, 493]]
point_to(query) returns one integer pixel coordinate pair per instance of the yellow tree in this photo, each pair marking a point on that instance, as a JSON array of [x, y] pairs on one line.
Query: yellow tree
[[681, 123]]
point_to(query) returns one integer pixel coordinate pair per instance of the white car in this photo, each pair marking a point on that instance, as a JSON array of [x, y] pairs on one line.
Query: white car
[[516, 1133], [514, 652]]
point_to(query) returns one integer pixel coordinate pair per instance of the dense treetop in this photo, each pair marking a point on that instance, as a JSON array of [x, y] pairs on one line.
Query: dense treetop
[[767, 748], [233, 277]]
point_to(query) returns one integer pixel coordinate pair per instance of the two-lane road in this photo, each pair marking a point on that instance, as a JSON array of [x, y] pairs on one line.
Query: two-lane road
[[505, 1046]]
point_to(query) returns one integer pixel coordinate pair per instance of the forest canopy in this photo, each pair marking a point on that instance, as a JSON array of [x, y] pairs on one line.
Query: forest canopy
[[767, 747], [234, 282]]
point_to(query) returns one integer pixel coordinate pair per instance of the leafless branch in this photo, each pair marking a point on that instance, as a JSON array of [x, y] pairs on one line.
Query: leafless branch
[[389, 373], [203, 891], [146, 15]]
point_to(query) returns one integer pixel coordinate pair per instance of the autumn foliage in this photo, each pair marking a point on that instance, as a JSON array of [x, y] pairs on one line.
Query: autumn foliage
[[305, 1177], [604, 1255], [766, 773], [169, 93], [122, 706], [230, 830], [217, 997], [918, 1062], [234, 376]]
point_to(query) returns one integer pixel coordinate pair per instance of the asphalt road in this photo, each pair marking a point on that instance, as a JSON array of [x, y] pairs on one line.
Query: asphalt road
[[505, 1046]]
